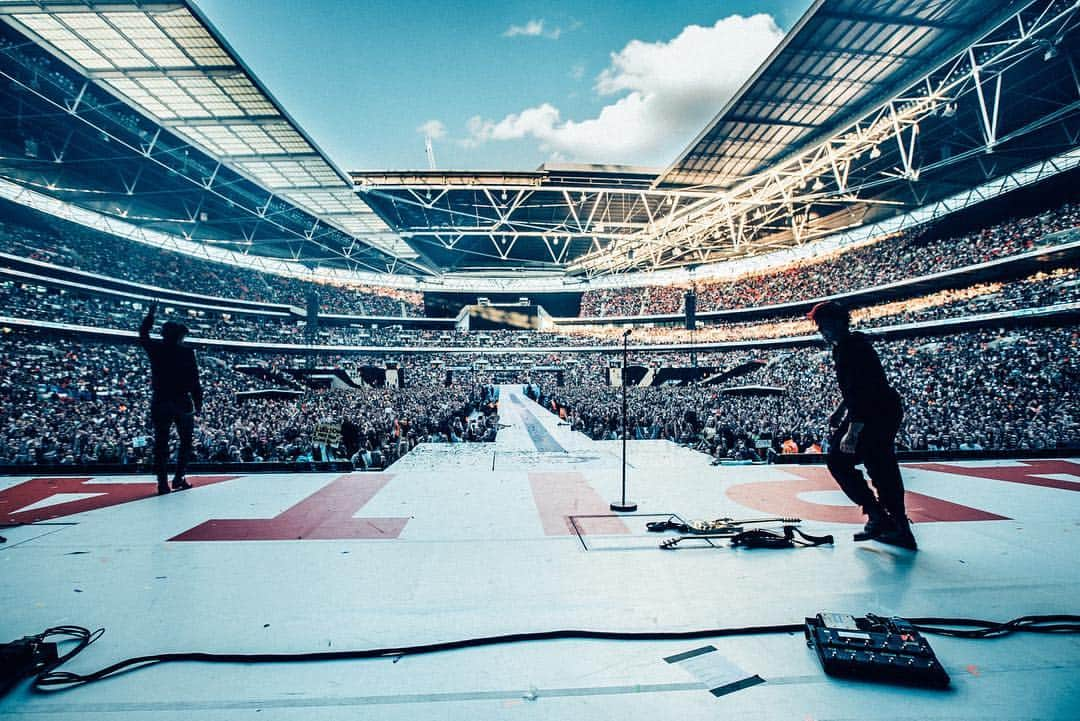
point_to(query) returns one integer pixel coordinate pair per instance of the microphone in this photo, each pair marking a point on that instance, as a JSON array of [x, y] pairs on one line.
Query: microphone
[[628, 332]]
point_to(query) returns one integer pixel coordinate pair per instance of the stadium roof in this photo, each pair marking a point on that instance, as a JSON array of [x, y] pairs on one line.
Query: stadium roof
[[168, 61], [540, 220], [868, 109], [841, 56]]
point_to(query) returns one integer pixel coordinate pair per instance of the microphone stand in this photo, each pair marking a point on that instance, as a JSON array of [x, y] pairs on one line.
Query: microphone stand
[[624, 506]]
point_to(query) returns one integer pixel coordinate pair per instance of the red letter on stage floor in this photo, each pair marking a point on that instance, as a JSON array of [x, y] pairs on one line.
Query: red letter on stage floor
[[561, 495], [782, 499], [49, 498], [327, 514], [1049, 474]]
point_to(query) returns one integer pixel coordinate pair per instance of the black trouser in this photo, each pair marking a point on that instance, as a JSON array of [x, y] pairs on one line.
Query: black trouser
[[875, 449], [163, 413]]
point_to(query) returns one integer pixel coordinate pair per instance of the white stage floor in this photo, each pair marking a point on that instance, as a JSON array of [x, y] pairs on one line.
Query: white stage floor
[[442, 546]]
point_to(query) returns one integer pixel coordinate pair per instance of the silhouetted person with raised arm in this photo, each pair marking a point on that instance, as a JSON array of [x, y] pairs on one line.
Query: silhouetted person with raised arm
[[864, 430], [177, 395]]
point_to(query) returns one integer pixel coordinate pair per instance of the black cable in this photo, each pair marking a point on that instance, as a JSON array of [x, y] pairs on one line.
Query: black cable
[[991, 629], [84, 637], [50, 679]]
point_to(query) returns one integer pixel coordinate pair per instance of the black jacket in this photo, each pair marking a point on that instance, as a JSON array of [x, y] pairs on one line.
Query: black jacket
[[173, 369], [867, 393]]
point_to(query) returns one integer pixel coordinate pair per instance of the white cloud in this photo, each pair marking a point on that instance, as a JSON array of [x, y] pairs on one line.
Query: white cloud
[[663, 94], [533, 121], [533, 29], [433, 129], [577, 71]]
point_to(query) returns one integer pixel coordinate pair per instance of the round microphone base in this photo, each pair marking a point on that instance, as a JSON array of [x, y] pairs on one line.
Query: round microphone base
[[626, 507]]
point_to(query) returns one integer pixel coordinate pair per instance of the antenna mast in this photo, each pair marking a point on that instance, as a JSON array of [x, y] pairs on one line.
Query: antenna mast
[[430, 150]]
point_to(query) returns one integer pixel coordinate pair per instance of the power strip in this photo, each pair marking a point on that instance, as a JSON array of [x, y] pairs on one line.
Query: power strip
[[889, 650]]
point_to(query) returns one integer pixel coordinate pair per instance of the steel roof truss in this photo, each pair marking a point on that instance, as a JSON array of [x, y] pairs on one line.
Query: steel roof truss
[[988, 109], [829, 164]]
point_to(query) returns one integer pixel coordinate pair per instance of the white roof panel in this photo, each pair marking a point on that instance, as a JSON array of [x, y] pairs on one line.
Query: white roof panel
[[58, 34], [168, 62], [283, 173]]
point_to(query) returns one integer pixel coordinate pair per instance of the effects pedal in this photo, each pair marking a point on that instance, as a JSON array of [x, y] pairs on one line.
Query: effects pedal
[[889, 650]]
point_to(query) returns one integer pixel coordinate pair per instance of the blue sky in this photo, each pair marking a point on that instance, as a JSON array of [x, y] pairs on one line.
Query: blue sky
[[502, 86]]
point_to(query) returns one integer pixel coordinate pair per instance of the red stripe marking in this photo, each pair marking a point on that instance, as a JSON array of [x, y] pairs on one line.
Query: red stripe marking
[[781, 498], [1015, 474], [560, 495], [326, 514], [40, 489]]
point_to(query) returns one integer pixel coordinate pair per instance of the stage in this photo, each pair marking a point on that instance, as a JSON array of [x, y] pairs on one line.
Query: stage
[[463, 540]]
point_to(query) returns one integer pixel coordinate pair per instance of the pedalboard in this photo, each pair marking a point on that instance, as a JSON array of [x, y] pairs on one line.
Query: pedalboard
[[888, 650]]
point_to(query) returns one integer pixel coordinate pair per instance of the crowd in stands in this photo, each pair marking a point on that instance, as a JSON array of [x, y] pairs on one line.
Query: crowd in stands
[[906, 255], [1035, 291], [70, 401], [66, 401], [50, 240], [980, 390], [41, 303]]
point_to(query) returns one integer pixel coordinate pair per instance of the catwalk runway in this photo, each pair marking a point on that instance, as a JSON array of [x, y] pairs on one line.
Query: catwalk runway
[[455, 541]]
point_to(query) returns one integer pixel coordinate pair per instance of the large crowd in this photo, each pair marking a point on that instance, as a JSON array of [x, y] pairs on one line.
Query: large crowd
[[905, 255], [1038, 290], [38, 302], [981, 390], [69, 401], [66, 401], [34, 235], [34, 301], [51, 240]]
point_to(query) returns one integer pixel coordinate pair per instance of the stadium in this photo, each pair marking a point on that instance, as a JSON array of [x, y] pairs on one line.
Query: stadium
[[454, 428]]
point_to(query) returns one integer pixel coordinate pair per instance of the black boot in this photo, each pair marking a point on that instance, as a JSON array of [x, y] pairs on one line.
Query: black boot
[[900, 535], [179, 483], [162, 487], [878, 522]]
